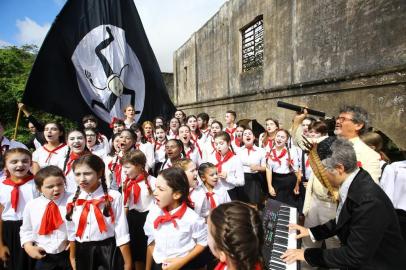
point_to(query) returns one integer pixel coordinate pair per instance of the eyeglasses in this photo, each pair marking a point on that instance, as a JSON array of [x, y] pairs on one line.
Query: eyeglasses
[[342, 119]]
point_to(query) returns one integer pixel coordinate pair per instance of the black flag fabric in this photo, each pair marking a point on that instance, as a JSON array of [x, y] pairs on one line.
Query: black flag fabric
[[96, 59]]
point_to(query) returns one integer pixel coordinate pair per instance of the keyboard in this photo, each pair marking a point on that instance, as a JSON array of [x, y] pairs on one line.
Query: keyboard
[[275, 219]]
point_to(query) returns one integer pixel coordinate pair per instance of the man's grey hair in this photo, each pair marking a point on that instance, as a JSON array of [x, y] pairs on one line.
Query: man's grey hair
[[359, 116], [344, 154]]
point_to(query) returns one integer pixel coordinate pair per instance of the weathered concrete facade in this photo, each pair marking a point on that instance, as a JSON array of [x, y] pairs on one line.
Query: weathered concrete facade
[[319, 53]]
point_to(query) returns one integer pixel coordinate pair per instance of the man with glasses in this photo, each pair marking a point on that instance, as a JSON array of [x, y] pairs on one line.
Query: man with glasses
[[350, 124]]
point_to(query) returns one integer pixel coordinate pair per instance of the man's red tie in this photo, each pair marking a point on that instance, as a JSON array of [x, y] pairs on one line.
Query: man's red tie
[[167, 217], [15, 193], [210, 197], [220, 163], [51, 220], [97, 212]]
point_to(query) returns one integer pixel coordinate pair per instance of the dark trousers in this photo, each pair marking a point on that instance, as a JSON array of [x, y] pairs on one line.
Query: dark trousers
[[98, 255], [58, 261]]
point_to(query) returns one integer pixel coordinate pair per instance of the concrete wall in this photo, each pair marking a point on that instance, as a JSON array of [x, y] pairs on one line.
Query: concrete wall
[[168, 80], [319, 53]]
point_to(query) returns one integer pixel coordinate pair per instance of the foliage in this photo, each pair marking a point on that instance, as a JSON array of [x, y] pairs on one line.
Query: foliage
[[15, 66]]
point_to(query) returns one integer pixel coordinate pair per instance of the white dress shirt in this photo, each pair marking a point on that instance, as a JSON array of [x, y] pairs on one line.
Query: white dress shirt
[[234, 169], [145, 200], [118, 229], [193, 155], [160, 153], [256, 156], [220, 195], [148, 150], [27, 192], [45, 158], [283, 167], [53, 243], [208, 149], [171, 241], [393, 182], [343, 191], [99, 150], [198, 197]]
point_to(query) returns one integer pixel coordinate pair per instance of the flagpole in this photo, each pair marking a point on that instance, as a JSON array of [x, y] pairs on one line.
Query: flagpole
[[17, 121]]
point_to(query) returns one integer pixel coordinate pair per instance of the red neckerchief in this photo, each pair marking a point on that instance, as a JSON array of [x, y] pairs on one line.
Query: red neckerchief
[[150, 139], [192, 204], [223, 265], [53, 151], [270, 143], [205, 132], [210, 197], [359, 164], [159, 144], [277, 158], [72, 157], [15, 193], [116, 168], [132, 185], [100, 138], [190, 151], [250, 148], [231, 132], [227, 156], [196, 144], [51, 220], [167, 217], [137, 146], [97, 212], [237, 142]]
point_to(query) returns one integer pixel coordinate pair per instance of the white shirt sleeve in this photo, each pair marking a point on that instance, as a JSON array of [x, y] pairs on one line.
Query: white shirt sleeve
[[121, 228], [388, 181], [199, 232], [26, 233]]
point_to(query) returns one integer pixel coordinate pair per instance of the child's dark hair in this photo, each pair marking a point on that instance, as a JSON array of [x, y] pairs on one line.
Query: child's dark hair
[[132, 133], [96, 164], [85, 150], [204, 116], [46, 172], [176, 179], [203, 167], [237, 231], [197, 131], [218, 123], [90, 117], [179, 143], [134, 127], [233, 113], [113, 150]]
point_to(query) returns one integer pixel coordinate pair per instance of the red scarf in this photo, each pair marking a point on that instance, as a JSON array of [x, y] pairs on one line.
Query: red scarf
[[72, 157], [150, 139], [113, 121], [220, 163], [158, 145], [277, 158], [250, 148], [15, 194], [231, 132], [209, 196], [196, 144], [132, 185], [53, 151], [205, 132], [167, 217], [237, 142], [51, 220], [97, 212], [116, 168]]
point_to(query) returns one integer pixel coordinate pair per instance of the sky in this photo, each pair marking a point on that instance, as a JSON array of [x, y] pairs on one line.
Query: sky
[[168, 23]]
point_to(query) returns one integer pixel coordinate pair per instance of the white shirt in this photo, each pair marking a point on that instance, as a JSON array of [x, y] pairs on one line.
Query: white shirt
[[256, 156], [208, 149], [167, 164], [194, 155], [128, 124], [110, 177], [205, 136], [171, 241], [160, 152], [198, 197], [26, 193], [99, 150], [283, 167], [145, 200], [148, 150], [343, 191], [234, 169], [220, 195], [45, 158], [7, 144], [395, 186], [172, 135], [118, 229], [53, 243]]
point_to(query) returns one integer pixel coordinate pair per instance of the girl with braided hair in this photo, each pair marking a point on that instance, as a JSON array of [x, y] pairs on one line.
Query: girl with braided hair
[[97, 225], [235, 236]]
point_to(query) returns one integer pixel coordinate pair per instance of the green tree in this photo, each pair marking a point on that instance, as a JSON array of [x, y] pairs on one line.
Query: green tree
[[15, 67]]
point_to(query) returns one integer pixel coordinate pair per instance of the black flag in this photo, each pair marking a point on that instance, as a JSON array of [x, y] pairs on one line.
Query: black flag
[[96, 59]]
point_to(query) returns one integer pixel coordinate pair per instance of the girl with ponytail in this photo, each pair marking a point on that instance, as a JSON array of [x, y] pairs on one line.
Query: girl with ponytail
[[97, 224]]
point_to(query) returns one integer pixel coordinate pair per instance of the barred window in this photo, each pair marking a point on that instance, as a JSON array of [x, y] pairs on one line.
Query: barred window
[[253, 45]]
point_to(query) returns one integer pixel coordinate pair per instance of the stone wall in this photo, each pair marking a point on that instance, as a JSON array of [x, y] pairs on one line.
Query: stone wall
[[319, 53]]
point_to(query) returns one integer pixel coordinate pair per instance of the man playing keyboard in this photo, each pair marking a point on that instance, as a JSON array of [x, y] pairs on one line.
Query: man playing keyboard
[[365, 223]]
